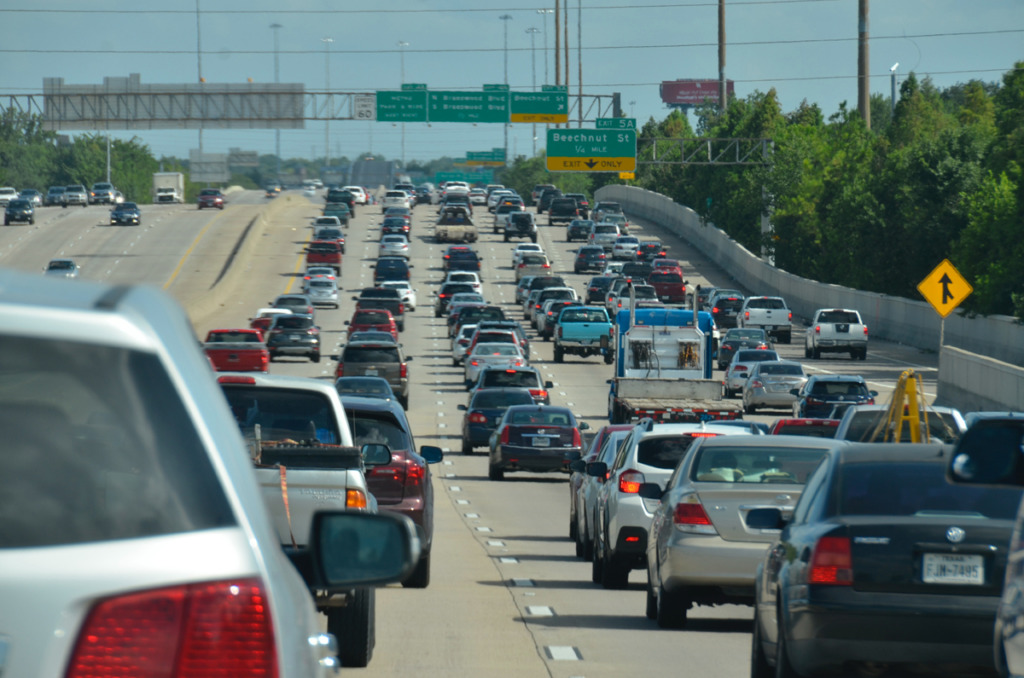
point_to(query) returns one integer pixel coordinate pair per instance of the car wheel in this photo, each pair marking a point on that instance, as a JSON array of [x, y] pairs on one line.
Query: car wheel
[[759, 667], [506, 237], [750, 408], [614, 575], [31, 222], [807, 351], [786, 338], [559, 354], [588, 545], [7, 222], [467, 448], [420, 577], [596, 564], [495, 472], [404, 402], [783, 667], [534, 237], [609, 357], [863, 354], [672, 609], [315, 357], [353, 626], [816, 353], [651, 608]]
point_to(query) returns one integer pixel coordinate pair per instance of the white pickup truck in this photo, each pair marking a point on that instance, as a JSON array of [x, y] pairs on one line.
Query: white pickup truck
[[770, 314], [836, 330]]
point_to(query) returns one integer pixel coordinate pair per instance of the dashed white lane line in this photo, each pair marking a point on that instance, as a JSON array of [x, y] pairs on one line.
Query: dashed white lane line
[[539, 611], [562, 653], [521, 582]]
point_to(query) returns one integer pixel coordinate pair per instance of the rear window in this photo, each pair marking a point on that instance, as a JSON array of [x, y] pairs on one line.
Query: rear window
[[810, 430], [371, 318], [941, 426], [325, 248], [663, 453], [907, 489], [836, 388], [292, 322], [791, 465], [472, 315], [785, 370], [457, 288], [468, 256], [97, 447], [282, 414], [766, 302], [839, 317], [756, 356], [518, 378], [370, 354], [500, 399], [664, 277], [534, 259], [606, 228], [377, 427]]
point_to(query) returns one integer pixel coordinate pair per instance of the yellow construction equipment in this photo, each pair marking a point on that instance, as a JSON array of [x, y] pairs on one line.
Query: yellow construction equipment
[[907, 406]]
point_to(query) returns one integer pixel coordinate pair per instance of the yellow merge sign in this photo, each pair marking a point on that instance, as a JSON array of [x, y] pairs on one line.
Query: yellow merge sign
[[944, 288]]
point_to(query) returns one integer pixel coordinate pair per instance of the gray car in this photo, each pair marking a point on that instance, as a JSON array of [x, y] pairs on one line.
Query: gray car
[[128, 490], [323, 291], [769, 385], [701, 549], [61, 268]]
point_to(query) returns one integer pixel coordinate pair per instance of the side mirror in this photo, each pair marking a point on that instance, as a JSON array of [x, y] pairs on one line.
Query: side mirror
[[431, 453], [548, 384], [376, 455], [461, 408], [990, 453], [766, 519], [578, 466], [346, 322], [597, 469], [409, 359], [349, 549], [584, 426], [650, 491], [873, 393], [794, 391]]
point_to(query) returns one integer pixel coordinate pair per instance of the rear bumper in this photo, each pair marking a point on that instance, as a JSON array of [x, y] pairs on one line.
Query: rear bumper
[[515, 458], [706, 560]]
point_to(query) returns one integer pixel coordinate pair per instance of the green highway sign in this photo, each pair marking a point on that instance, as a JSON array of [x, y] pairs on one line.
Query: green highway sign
[[494, 157], [549, 106], [483, 176], [414, 87], [591, 150], [554, 88], [408, 106], [496, 88], [467, 106], [615, 123]]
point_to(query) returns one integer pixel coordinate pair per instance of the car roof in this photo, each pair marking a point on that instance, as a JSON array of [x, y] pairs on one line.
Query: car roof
[[835, 377]]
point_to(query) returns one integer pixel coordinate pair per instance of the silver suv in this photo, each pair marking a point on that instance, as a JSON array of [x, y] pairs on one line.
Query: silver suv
[[75, 195], [132, 520]]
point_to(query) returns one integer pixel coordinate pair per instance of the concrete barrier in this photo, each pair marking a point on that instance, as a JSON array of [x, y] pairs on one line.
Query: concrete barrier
[[997, 339]]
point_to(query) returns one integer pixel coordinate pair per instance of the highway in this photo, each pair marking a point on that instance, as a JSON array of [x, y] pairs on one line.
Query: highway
[[507, 596]]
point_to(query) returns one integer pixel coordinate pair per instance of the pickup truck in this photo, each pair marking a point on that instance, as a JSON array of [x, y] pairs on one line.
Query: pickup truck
[[385, 298], [302, 450], [240, 350], [836, 330], [584, 331], [669, 285], [324, 253], [455, 224], [769, 314]]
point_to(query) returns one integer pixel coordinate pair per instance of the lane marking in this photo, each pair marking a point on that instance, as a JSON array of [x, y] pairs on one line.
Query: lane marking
[[539, 611], [563, 653]]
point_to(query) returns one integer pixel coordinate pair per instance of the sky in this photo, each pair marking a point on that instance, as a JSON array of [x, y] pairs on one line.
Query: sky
[[804, 49]]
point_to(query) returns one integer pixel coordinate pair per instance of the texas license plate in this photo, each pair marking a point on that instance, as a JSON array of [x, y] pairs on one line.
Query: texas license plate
[[542, 442], [371, 372], [953, 568]]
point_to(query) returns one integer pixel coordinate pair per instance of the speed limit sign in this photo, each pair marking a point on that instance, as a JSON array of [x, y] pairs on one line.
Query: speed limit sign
[[364, 107]]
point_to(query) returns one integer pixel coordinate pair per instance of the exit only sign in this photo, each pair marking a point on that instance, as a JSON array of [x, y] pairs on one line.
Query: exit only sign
[[591, 150]]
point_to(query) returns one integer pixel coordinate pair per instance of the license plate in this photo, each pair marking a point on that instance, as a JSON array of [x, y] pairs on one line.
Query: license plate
[[293, 338], [768, 328], [542, 442], [585, 342], [953, 568], [371, 372]]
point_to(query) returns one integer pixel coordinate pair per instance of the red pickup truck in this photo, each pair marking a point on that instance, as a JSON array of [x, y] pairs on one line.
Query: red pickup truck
[[237, 350], [669, 285], [324, 253]]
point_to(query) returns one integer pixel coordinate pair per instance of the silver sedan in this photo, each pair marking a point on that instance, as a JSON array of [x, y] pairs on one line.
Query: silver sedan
[[706, 540], [770, 383], [394, 246]]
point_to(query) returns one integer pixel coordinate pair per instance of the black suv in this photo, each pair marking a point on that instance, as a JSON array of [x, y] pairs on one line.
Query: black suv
[[462, 260], [562, 209], [546, 197], [390, 268], [339, 195], [294, 335], [22, 210], [582, 204], [578, 229], [590, 258], [520, 225]]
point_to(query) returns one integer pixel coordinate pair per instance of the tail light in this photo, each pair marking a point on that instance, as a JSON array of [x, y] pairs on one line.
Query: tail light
[[415, 473], [629, 481], [233, 379], [355, 499], [689, 516], [547, 266], [192, 627], [401, 308], [477, 418], [558, 331], [504, 436], [817, 329], [791, 316], [539, 393], [265, 361], [756, 383], [339, 371], [865, 331], [577, 440], [403, 371], [831, 563], [522, 264], [601, 256], [740, 368], [715, 310], [746, 315], [474, 363]]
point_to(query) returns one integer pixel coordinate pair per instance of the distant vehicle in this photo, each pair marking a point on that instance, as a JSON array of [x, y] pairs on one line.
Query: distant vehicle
[[770, 383], [364, 387], [168, 187], [836, 330], [210, 197], [367, 358], [33, 196], [7, 194], [294, 335], [102, 193], [537, 438], [61, 268], [484, 412], [822, 391], [21, 210], [75, 195], [126, 213], [54, 196]]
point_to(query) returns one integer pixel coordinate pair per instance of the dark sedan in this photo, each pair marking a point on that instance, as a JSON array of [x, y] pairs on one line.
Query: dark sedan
[[597, 289], [822, 392], [484, 412], [403, 486], [210, 197], [294, 335], [650, 250], [741, 337], [19, 210], [537, 438], [884, 565], [590, 258], [578, 229], [126, 213]]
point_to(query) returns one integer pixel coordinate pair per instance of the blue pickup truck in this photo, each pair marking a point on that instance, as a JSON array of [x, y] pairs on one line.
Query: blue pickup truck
[[584, 331]]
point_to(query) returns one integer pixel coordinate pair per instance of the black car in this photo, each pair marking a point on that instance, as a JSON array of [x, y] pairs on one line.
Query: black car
[[546, 197], [884, 565], [444, 296], [19, 209], [474, 314], [390, 268], [597, 289], [578, 229], [462, 260], [562, 209], [582, 204], [636, 270], [738, 338], [823, 391], [537, 438], [395, 226], [294, 335], [521, 225], [650, 250], [725, 309], [342, 196], [590, 258], [485, 410]]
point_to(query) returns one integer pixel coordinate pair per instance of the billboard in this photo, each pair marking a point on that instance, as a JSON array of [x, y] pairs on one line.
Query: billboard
[[693, 92]]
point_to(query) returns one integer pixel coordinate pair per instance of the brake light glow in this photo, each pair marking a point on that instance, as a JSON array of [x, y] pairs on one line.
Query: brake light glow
[[817, 329], [403, 371], [832, 562], [629, 481], [339, 371], [414, 474], [231, 379], [577, 440], [504, 436], [203, 629], [756, 383], [477, 418], [746, 315], [689, 516]]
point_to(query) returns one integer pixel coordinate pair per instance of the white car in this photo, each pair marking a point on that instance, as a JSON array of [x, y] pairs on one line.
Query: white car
[[496, 196], [625, 247], [393, 246], [7, 194], [358, 192], [465, 277], [395, 199], [522, 248], [739, 368], [613, 269], [491, 355], [478, 196], [405, 289], [461, 343]]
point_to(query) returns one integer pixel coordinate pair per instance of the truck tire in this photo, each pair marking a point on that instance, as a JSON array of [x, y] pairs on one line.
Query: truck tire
[[816, 353], [495, 472], [786, 338], [609, 357], [559, 354], [420, 577], [354, 627], [863, 354]]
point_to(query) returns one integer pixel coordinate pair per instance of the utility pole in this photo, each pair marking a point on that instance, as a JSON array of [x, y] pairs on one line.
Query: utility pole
[[565, 28], [892, 82], [327, 95], [863, 64], [579, 56], [723, 85], [544, 13], [558, 43], [532, 31], [199, 69], [505, 18], [402, 44], [277, 79]]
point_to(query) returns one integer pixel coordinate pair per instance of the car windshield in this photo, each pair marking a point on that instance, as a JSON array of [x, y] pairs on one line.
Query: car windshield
[[209, 191], [918, 489], [750, 464]]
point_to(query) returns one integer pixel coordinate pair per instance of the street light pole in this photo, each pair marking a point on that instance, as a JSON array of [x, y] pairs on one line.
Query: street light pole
[[892, 78], [402, 44], [327, 95], [544, 13], [505, 18], [277, 79], [532, 30]]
